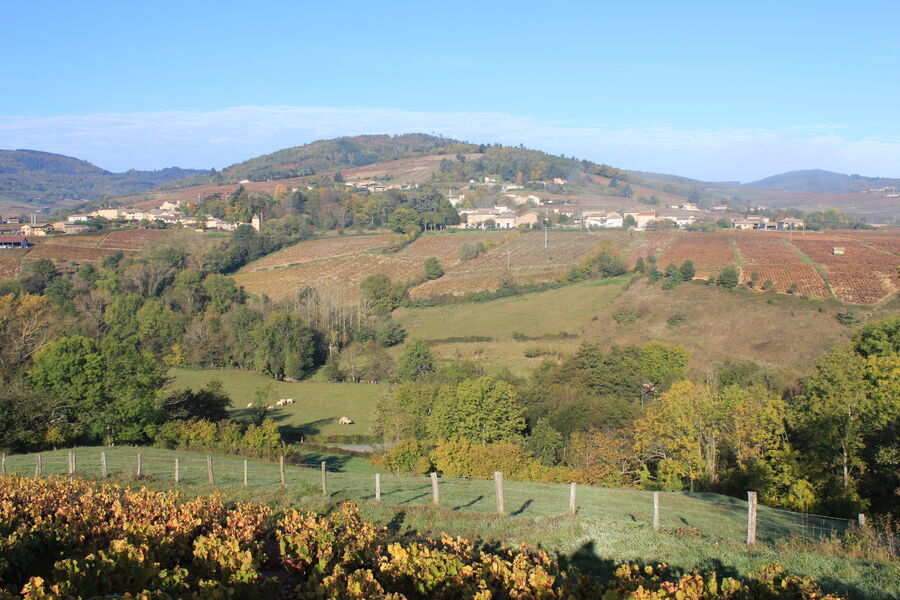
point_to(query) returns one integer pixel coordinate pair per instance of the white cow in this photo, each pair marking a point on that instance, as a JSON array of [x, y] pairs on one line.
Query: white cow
[[250, 405], [345, 421], [270, 408], [289, 401]]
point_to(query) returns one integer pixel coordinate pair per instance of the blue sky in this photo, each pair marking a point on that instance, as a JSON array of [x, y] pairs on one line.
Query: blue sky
[[704, 89]]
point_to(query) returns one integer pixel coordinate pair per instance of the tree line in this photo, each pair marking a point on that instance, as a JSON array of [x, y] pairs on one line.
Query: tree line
[[633, 416]]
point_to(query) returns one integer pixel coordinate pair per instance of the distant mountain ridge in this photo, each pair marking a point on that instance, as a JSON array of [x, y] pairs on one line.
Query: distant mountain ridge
[[819, 181], [32, 175]]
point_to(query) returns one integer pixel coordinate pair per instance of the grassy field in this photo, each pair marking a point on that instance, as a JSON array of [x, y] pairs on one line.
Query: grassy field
[[316, 409], [611, 526], [711, 324]]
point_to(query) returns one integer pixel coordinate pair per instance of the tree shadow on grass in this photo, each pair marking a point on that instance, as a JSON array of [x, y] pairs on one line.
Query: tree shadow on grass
[[334, 463], [296, 433], [468, 504], [522, 508]]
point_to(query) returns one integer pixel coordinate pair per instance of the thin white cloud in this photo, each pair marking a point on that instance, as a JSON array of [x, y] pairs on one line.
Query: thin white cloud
[[119, 141]]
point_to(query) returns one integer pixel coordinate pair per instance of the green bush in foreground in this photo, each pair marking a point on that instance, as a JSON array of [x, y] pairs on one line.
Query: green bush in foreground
[[73, 539]]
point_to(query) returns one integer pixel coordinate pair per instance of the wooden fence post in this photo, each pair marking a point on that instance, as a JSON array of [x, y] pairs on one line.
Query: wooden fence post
[[656, 511], [435, 491], [751, 518], [69, 469], [74, 463], [324, 479], [281, 469], [245, 472], [140, 465], [37, 465], [209, 470], [861, 518], [498, 486], [572, 487], [3, 463], [103, 469], [177, 475], [378, 487]]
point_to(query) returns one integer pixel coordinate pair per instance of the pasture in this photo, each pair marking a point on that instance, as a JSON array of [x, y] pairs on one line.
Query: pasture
[[317, 405]]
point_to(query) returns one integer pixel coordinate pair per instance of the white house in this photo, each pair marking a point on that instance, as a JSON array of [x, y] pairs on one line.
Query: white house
[[602, 219]]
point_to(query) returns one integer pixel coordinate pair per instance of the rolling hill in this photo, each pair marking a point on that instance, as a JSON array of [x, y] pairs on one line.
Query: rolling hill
[[819, 181], [46, 179], [328, 155]]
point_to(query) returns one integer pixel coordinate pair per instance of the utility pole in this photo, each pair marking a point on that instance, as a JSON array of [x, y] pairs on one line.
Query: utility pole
[[545, 237]]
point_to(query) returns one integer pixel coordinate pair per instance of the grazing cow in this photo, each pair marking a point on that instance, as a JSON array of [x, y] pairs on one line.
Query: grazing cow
[[345, 421], [270, 408], [250, 405], [281, 402], [289, 401]]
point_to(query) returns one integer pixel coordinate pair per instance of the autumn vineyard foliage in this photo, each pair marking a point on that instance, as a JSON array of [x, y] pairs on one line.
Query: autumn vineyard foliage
[[79, 539]]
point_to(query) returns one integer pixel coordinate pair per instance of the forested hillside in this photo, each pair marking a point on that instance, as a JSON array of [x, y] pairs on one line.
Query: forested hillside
[[30, 175]]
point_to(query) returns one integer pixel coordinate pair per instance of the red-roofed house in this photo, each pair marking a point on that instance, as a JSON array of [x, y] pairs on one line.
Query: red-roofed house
[[13, 241]]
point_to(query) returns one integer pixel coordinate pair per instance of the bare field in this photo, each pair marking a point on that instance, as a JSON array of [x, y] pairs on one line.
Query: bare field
[[523, 259], [319, 249], [95, 246], [131, 240], [9, 263], [339, 264], [340, 276], [68, 252], [405, 170]]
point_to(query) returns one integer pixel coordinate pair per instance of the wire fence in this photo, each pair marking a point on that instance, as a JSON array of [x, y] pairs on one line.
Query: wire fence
[[700, 514]]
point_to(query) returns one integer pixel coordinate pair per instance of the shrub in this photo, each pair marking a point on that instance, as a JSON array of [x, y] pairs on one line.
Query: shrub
[[229, 437], [433, 268], [676, 319], [728, 278], [624, 316]]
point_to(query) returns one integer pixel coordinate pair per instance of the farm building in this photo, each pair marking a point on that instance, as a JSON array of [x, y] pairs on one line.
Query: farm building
[[13, 241]]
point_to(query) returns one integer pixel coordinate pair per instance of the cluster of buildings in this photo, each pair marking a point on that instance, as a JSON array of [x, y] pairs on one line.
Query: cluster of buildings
[[756, 222], [376, 186], [498, 217], [168, 212]]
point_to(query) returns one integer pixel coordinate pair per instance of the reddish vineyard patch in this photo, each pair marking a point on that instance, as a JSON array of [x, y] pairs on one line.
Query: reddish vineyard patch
[[858, 285], [861, 275], [805, 276], [709, 253]]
